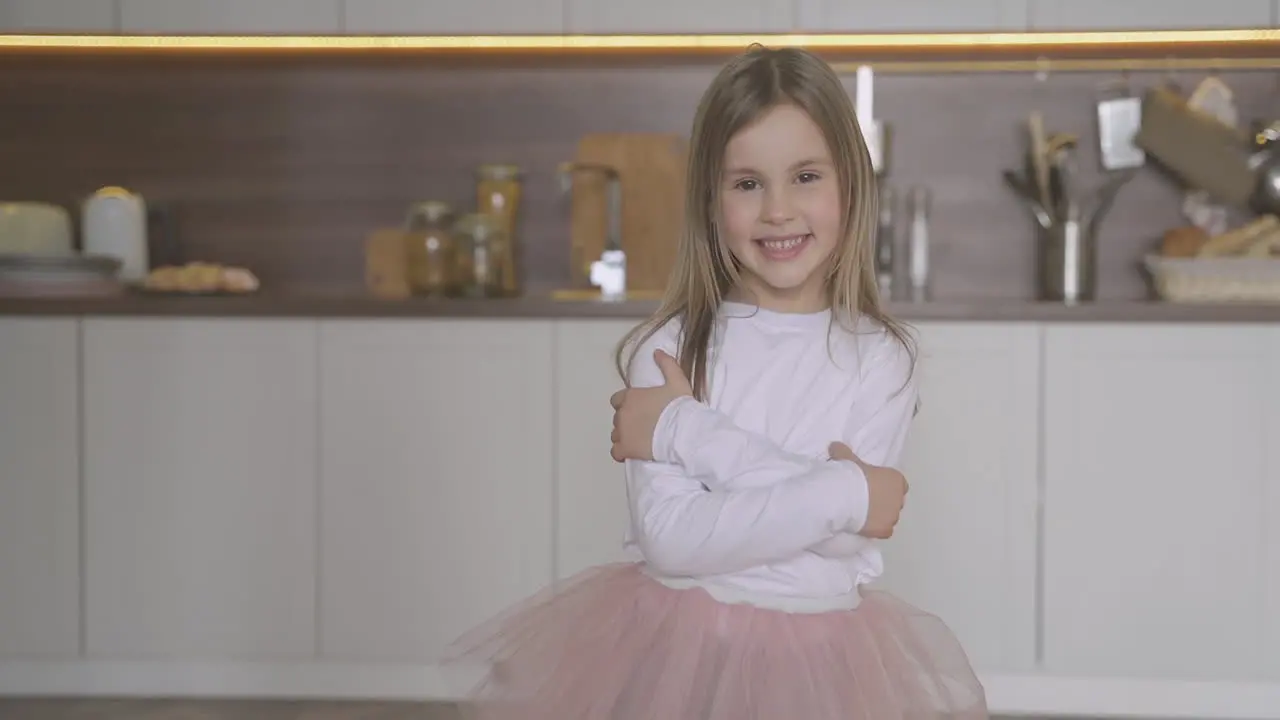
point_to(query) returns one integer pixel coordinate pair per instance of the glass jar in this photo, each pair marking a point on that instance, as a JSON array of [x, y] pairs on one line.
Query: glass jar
[[482, 249], [499, 193], [430, 249]]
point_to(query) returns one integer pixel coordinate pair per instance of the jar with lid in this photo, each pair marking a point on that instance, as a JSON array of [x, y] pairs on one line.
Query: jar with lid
[[430, 249], [498, 193], [482, 249]]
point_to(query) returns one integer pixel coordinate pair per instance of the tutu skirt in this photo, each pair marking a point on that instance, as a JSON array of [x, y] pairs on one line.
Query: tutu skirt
[[615, 644]]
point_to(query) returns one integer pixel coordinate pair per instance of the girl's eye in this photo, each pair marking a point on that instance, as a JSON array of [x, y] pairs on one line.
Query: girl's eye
[[807, 177], [746, 184]]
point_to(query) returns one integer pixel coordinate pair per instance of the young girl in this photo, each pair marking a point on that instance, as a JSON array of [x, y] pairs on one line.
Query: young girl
[[768, 366]]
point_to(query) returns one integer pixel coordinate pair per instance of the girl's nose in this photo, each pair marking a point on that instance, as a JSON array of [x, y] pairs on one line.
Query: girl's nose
[[777, 207]]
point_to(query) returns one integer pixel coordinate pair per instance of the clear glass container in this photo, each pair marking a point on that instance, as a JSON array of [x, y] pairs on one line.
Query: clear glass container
[[919, 202], [481, 258], [430, 249], [498, 193]]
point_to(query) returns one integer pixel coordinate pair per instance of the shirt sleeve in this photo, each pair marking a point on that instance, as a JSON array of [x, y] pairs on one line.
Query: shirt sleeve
[[725, 457], [685, 528], [878, 427], [877, 430]]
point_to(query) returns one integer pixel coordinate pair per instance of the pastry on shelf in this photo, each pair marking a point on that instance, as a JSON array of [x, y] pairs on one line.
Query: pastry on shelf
[[1183, 242], [201, 278], [1239, 241]]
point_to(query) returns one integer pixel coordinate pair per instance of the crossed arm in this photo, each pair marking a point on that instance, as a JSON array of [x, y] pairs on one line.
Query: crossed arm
[[717, 498]]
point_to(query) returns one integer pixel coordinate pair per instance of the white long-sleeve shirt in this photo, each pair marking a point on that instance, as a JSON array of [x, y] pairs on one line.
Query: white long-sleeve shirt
[[741, 497]]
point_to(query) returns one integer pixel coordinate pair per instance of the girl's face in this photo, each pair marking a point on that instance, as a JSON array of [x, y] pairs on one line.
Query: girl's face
[[780, 210]]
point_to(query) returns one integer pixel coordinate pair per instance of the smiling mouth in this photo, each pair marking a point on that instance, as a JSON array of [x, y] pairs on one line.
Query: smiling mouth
[[783, 248]]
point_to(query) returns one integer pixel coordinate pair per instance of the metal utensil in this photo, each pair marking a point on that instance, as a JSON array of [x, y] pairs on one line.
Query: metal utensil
[[1266, 196], [1119, 117], [1029, 198], [1104, 197]]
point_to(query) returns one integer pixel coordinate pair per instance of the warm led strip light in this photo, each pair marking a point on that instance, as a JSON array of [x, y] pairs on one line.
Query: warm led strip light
[[466, 43]]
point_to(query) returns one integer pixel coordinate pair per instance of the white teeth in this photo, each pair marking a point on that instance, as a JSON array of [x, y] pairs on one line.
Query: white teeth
[[783, 243]]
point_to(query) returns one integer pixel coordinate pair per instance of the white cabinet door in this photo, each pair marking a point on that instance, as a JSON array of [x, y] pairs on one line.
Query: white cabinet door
[[591, 491], [200, 488], [861, 16], [1160, 494], [39, 488], [1147, 14], [679, 16], [437, 497], [965, 548], [57, 16], [450, 17], [231, 17]]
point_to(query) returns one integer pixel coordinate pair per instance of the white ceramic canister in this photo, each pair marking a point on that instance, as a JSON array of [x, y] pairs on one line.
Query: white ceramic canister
[[114, 222]]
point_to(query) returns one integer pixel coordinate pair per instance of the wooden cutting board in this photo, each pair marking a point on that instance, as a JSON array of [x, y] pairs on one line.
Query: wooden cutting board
[[651, 167]]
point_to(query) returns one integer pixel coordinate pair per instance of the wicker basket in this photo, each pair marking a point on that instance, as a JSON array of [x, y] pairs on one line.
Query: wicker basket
[[1215, 279]]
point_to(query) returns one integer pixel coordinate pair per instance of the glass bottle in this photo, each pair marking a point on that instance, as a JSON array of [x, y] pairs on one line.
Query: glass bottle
[[482, 249], [430, 249], [498, 193], [886, 236], [919, 202]]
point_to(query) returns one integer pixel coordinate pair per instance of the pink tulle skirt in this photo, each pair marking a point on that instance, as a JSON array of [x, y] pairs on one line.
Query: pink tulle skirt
[[615, 644]]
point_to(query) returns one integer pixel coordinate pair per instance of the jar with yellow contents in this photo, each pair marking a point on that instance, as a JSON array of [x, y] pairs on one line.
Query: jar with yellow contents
[[430, 249], [498, 194]]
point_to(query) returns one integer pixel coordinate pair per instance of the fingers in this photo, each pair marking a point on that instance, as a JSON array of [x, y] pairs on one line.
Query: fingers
[[671, 373], [616, 400], [840, 451]]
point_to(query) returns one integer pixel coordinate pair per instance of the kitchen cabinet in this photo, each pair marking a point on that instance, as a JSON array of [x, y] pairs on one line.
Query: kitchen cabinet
[[200, 488], [58, 16], [436, 506], [39, 488], [1162, 493], [298, 507], [858, 16], [1147, 14], [678, 16], [231, 17], [448, 17], [591, 491], [965, 547]]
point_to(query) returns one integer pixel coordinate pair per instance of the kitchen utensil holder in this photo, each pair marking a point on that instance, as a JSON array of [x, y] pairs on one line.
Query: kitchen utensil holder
[[1068, 263]]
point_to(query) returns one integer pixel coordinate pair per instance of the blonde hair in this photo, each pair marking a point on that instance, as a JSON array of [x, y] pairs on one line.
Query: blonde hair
[[750, 84]]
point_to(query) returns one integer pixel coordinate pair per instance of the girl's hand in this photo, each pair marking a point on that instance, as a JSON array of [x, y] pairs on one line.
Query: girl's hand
[[886, 493], [636, 410]]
